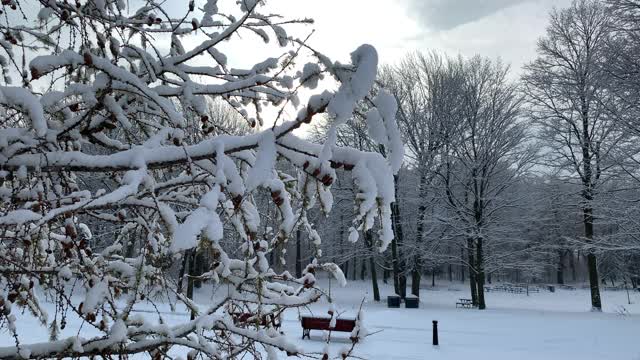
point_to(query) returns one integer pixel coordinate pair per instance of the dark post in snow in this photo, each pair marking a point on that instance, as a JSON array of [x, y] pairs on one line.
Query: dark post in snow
[[435, 332]]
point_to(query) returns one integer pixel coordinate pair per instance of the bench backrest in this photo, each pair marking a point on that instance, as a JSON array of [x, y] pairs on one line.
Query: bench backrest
[[323, 324]]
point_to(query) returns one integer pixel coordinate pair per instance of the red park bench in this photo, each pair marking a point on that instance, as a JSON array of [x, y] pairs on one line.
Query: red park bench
[[322, 323]]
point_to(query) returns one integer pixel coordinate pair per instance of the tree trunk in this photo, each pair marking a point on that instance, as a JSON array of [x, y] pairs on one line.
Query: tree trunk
[[368, 239], [192, 270], [374, 279], [346, 268], [298, 254], [183, 269], [480, 273], [340, 245], [592, 263], [596, 302], [415, 277], [433, 278], [363, 269], [272, 256], [587, 193], [560, 269], [394, 261], [472, 275], [131, 246], [355, 269], [399, 266], [462, 267], [198, 268], [191, 273], [385, 272], [572, 264], [415, 283], [417, 261]]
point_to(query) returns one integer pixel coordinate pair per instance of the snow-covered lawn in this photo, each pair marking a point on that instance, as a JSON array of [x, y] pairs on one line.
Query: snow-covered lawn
[[515, 326], [540, 326]]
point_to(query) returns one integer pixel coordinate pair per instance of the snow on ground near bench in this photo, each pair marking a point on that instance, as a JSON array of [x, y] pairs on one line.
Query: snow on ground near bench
[[515, 326], [540, 326]]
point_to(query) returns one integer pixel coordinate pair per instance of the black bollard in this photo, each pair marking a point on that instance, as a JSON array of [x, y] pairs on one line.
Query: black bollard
[[435, 332]]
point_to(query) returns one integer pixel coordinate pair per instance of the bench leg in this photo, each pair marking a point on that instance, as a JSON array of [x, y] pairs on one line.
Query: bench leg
[[306, 333]]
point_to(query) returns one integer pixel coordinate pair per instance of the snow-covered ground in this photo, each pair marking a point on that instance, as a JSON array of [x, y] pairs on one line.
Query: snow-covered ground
[[539, 326], [515, 326]]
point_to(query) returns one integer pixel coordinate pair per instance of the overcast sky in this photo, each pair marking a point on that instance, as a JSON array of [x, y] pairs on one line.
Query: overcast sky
[[504, 28]]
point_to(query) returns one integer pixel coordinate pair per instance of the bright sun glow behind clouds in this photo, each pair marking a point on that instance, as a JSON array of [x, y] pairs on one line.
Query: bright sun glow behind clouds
[[495, 28], [343, 25], [508, 29]]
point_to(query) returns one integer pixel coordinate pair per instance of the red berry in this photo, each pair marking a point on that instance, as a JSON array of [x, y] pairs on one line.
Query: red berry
[[88, 59]]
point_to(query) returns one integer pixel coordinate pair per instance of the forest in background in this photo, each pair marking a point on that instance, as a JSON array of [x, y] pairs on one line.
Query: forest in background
[[532, 180]]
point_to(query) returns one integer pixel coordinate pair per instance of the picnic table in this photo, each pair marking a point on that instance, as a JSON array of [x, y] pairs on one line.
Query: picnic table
[[464, 303], [511, 288], [310, 322]]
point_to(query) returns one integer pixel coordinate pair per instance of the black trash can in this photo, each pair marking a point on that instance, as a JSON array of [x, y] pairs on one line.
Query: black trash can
[[411, 302], [393, 301], [552, 288]]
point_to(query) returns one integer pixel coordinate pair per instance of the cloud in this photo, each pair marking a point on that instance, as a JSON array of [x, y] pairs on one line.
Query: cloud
[[442, 15]]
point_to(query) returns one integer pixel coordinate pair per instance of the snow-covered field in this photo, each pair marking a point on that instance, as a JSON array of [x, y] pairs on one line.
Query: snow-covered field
[[515, 326], [540, 326]]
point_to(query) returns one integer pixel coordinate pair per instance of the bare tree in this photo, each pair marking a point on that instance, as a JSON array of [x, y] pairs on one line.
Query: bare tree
[[567, 89], [427, 91], [623, 65], [485, 155]]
